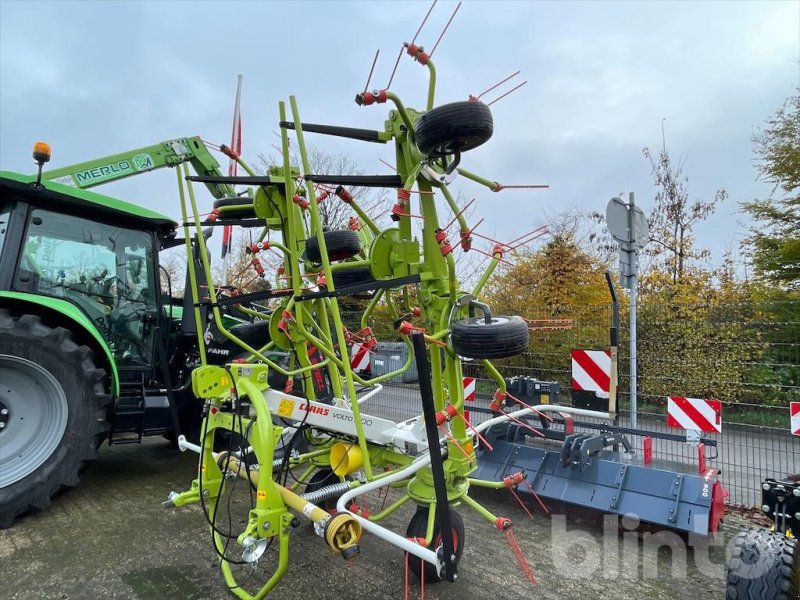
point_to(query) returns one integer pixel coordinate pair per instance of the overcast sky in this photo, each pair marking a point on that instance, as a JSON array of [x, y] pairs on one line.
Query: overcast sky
[[96, 78]]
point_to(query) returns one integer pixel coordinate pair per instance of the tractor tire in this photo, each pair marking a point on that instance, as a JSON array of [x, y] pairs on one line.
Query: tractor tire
[[355, 276], [763, 564], [245, 213], [341, 244], [454, 127], [503, 337], [418, 527], [56, 417]]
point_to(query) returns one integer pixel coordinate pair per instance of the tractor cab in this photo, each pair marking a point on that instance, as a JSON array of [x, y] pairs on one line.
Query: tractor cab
[[105, 269], [95, 253], [87, 264]]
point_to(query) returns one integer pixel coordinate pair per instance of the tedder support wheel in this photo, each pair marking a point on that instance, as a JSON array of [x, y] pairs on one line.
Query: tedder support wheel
[[501, 337], [55, 410], [763, 564], [454, 127], [319, 480], [355, 276], [243, 213], [341, 244], [418, 527]]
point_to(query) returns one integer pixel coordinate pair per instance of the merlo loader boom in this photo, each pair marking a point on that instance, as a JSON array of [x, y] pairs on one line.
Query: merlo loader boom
[[170, 153]]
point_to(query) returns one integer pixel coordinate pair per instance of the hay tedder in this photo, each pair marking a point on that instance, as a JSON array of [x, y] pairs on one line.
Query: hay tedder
[[270, 370], [331, 444]]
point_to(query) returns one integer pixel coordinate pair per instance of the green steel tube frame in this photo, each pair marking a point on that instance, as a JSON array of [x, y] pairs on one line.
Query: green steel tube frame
[[438, 294]]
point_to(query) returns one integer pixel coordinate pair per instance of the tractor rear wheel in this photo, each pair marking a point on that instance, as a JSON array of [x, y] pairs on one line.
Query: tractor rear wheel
[[418, 527], [500, 338], [763, 564], [53, 408]]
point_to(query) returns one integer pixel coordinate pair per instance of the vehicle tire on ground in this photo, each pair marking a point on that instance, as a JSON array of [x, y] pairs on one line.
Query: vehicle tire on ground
[[458, 126], [244, 213], [57, 410], [763, 564], [502, 337], [418, 527], [349, 277], [341, 244]]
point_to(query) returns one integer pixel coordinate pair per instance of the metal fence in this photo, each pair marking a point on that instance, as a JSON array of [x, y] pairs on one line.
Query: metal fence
[[747, 355]]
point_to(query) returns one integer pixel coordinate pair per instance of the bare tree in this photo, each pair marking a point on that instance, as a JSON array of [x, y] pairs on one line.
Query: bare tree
[[674, 216], [334, 213]]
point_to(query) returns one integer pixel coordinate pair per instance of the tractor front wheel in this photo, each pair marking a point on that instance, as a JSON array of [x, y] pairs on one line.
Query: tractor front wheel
[[53, 411]]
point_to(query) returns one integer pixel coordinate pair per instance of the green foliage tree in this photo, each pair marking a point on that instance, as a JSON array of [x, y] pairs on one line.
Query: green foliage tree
[[775, 237], [560, 280], [698, 336], [774, 244]]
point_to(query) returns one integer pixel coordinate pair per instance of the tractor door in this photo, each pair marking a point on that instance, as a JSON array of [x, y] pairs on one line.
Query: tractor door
[[105, 270]]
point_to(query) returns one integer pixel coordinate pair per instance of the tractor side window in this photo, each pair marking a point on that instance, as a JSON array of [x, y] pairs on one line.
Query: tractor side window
[[105, 271], [5, 217]]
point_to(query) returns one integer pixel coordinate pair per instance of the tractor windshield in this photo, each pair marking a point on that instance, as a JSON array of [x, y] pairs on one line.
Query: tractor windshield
[[107, 271]]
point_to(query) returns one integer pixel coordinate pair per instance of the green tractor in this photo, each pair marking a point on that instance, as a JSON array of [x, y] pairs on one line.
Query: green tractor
[[91, 348]]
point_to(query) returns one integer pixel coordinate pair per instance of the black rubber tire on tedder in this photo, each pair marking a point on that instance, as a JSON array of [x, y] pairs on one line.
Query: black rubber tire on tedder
[[341, 244], [763, 564], [500, 338], [458, 126], [355, 276], [57, 410], [243, 213], [418, 527], [319, 480]]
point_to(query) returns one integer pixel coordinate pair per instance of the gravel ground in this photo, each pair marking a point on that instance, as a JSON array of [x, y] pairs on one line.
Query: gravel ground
[[111, 538]]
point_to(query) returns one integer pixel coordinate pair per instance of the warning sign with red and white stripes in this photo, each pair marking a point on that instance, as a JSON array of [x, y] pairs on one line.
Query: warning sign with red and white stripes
[[591, 371], [694, 414], [469, 392], [469, 389], [794, 410], [359, 357]]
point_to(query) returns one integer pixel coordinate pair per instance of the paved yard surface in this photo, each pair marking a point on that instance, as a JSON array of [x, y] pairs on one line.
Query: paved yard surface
[[111, 538]]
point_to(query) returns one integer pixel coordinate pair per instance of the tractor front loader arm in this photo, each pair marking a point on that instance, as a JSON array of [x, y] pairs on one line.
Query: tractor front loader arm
[[170, 153]]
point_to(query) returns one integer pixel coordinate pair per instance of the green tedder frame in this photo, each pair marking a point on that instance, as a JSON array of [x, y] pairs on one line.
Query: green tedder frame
[[363, 451]]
